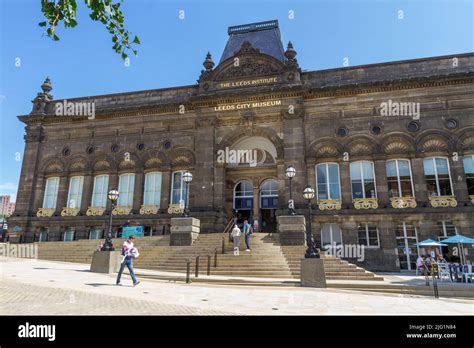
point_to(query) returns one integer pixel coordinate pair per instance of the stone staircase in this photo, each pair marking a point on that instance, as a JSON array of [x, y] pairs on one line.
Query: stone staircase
[[266, 260]]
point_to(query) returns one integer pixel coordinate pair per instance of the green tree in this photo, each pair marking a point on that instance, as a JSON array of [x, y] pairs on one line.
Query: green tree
[[105, 11]]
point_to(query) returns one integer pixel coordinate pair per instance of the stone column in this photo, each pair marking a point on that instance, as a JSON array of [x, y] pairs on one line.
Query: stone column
[[165, 189], [381, 182], [388, 245], [256, 202], [346, 192], [138, 191], [458, 179], [62, 193], [86, 199], [419, 181]]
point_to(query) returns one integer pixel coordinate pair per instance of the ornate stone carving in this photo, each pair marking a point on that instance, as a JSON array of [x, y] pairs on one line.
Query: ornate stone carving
[[443, 201], [403, 202], [122, 210], [42, 98], [147, 209], [69, 211], [365, 203], [95, 211], [329, 204], [176, 208], [45, 212], [248, 67]]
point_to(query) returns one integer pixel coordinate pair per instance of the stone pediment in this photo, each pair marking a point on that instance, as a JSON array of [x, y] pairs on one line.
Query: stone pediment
[[248, 67]]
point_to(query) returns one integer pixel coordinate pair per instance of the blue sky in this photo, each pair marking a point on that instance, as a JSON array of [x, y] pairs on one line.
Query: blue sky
[[173, 49]]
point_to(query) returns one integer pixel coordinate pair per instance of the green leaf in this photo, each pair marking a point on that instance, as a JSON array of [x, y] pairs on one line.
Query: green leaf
[[42, 24], [136, 40]]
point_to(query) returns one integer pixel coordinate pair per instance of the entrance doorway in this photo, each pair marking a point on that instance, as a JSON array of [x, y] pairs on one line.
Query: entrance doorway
[[268, 205], [243, 201], [407, 246]]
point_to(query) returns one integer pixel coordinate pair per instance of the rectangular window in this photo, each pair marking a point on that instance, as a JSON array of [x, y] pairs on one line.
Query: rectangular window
[[95, 233], [51, 193], [469, 171], [437, 176], [43, 236], [99, 194], [331, 235], [178, 189], [368, 235], [126, 188], [399, 178], [152, 192], [327, 181], [363, 179], [75, 192], [68, 235], [446, 229]]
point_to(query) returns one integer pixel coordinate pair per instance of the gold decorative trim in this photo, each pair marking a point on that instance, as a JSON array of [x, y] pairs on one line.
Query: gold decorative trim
[[365, 203], [122, 210], [329, 204], [443, 201], [471, 197], [69, 211], [95, 211], [176, 208], [45, 212], [147, 209], [403, 202]]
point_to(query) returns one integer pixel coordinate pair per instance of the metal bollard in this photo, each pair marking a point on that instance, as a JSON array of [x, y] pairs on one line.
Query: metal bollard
[[427, 279], [188, 271], [435, 286], [215, 259], [197, 267], [208, 265], [223, 245]]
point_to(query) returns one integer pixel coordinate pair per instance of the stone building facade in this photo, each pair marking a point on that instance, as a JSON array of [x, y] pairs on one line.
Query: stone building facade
[[393, 144]]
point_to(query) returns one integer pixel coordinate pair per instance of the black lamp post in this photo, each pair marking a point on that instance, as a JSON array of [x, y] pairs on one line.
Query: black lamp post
[[113, 196], [290, 174], [311, 252], [187, 178]]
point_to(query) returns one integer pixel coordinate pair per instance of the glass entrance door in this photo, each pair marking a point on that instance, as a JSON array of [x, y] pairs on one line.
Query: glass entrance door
[[407, 246]]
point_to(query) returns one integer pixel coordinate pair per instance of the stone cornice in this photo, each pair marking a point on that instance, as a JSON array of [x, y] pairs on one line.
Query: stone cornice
[[264, 93]]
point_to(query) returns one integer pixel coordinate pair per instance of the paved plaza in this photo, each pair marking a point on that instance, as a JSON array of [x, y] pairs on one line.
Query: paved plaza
[[44, 287]]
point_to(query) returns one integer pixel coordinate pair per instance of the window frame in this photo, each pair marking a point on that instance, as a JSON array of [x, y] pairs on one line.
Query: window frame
[[468, 176], [327, 183], [77, 204], [55, 201], [399, 184], [362, 179], [433, 158], [129, 190], [155, 192], [366, 225], [105, 186], [183, 188]]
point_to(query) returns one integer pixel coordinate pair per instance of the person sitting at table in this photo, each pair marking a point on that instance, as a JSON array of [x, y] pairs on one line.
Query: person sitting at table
[[441, 259]]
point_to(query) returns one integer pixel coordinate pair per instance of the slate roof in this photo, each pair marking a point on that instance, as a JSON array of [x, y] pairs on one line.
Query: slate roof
[[262, 35]]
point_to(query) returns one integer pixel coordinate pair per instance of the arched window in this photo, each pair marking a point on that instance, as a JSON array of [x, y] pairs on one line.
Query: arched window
[[126, 187], [399, 178], [243, 195], [152, 188], [75, 192], [437, 176], [179, 193], [51, 193], [269, 194], [363, 179], [469, 171], [327, 181], [99, 194]]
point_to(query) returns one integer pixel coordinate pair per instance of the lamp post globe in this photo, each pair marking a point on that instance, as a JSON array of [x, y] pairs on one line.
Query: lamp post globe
[[290, 173], [113, 196], [187, 178], [311, 252]]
